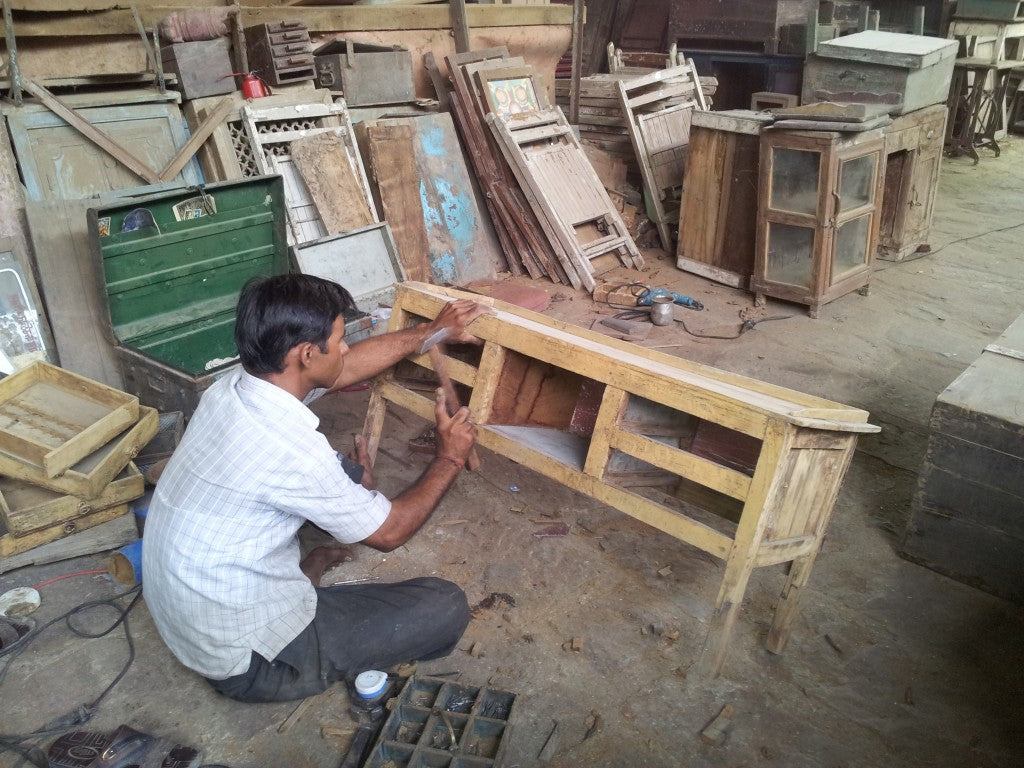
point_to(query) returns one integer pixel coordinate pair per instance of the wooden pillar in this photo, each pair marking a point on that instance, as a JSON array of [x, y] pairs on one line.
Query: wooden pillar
[[12, 55], [577, 61], [460, 25]]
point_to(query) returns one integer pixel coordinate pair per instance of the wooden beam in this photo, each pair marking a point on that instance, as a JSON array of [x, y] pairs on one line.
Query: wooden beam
[[577, 61], [199, 137], [92, 133], [344, 18], [460, 25]]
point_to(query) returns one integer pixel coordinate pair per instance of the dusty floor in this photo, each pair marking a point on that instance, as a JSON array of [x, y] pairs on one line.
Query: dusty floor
[[890, 664]]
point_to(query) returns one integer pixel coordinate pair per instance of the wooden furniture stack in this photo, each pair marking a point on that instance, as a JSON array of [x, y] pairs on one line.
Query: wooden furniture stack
[[967, 517], [66, 445], [743, 470], [551, 212], [757, 26]]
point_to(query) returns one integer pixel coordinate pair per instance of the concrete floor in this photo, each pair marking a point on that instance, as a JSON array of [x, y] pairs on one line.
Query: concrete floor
[[890, 664]]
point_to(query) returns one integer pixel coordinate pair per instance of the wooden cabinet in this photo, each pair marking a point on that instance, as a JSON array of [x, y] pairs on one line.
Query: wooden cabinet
[[913, 148], [718, 217], [735, 25], [743, 470], [819, 195]]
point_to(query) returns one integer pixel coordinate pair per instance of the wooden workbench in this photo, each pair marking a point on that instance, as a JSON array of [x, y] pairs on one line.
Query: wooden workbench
[[744, 470]]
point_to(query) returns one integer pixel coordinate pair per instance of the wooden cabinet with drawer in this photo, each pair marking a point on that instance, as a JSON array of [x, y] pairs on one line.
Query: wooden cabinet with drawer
[[913, 147]]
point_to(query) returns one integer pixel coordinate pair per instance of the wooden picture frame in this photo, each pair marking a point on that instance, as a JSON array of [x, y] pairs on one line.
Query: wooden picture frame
[[508, 91]]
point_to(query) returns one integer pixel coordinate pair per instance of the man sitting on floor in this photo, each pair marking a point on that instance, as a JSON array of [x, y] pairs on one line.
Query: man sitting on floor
[[221, 555]]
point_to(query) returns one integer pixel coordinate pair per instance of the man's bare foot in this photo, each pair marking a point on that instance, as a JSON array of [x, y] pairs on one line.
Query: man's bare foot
[[321, 559]]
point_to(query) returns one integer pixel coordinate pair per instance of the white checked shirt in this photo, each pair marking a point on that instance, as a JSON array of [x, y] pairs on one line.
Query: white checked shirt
[[220, 553]]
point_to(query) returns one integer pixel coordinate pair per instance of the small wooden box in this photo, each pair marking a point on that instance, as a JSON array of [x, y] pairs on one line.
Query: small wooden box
[[967, 517], [90, 476], [53, 418], [26, 508], [203, 67], [366, 74], [907, 72]]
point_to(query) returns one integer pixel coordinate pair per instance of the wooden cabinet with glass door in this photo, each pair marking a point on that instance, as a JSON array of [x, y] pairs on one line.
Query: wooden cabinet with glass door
[[819, 195]]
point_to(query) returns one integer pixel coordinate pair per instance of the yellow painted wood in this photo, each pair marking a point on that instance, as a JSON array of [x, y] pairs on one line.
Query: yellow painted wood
[[696, 468], [481, 402], [13, 545], [609, 415], [88, 477], [806, 444], [26, 508], [53, 418]]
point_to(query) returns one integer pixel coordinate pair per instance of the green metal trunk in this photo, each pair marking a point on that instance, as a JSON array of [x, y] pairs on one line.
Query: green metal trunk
[[172, 288]]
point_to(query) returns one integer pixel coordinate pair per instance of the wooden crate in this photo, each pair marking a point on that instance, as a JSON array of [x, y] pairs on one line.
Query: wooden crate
[[203, 67], [11, 546], [53, 418], [907, 72], [967, 517], [26, 508], [88, 477], [765, 462], [993, 10]]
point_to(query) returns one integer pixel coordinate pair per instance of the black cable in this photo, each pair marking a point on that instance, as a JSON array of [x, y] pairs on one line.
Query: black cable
[[941, 248], [84, 712], [748, 325]]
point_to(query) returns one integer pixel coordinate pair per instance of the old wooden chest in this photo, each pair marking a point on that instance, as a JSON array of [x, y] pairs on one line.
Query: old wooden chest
[[203, 67], [967, 517], [172, 267], [907, 72], [365, 74]]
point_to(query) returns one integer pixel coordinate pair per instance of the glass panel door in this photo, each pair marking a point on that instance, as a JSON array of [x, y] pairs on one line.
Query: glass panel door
[[857, 182], [851, 249], [790, 254], [795, 180]]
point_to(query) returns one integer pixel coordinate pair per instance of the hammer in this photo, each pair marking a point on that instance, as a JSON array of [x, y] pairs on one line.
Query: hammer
[[433, 347]]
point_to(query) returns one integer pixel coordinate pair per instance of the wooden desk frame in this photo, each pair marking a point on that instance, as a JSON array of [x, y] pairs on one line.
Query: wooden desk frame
[[783, 500]]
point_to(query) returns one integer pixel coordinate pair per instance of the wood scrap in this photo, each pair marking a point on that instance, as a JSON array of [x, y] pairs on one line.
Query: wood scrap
[[335, 180], [715, 732], [199, 136]]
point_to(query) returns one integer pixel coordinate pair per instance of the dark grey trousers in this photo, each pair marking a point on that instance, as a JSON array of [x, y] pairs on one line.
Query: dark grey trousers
[[357, 627]]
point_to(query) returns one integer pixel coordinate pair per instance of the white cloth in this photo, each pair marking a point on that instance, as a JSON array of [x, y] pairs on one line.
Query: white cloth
[[220, 553]]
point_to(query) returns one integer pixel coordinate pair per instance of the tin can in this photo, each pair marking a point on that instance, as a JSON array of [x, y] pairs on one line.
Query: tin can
[[661, 310]]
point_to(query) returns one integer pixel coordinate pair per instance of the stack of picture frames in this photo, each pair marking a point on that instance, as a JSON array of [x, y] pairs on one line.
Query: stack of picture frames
[[553, 215]]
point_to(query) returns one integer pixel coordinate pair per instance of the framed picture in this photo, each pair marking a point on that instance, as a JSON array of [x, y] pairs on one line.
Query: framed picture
[[24, 331], [510, 90]]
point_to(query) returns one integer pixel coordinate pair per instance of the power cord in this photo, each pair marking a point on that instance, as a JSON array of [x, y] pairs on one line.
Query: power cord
[[638, 290], [941, 248], [83, 713]]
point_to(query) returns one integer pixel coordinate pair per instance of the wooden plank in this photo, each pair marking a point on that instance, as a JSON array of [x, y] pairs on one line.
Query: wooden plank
[[16, 545], [609, 415], [460, 24], [327, 19], [91, 537], [663, 378], [95, 135], [457, 248], [335, 180], [393, 167], [199, 136], [67, 272]]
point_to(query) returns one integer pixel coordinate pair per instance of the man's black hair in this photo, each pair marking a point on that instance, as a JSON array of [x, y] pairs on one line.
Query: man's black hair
[[277, 313]]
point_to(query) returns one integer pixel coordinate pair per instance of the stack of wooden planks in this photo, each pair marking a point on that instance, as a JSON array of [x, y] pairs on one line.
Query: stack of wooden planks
[[551, 212], [66, 475]]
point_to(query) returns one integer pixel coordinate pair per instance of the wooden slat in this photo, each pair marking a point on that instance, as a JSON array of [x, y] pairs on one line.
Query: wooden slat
[[92, 133], [91, 537], [199, 136], [707, 473]]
